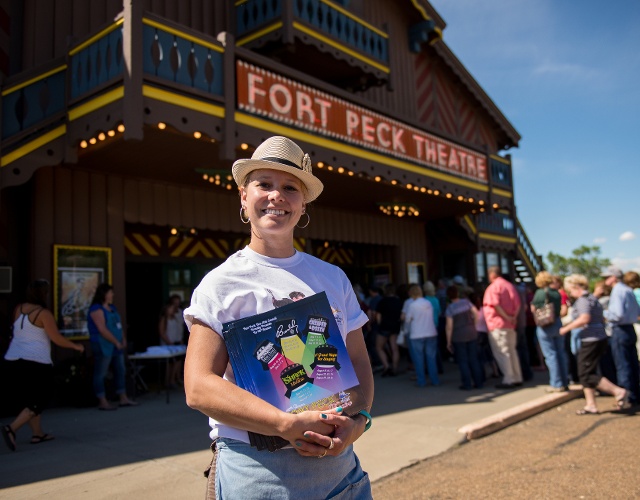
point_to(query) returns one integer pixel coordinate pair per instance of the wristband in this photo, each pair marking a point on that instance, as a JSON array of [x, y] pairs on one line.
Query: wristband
[[366, 415]]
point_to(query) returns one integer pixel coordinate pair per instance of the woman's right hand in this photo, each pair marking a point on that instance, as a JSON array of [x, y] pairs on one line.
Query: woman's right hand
[[79, 348], [300, 423]]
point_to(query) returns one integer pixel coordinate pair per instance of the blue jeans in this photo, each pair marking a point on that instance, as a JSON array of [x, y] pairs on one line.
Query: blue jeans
[[244, 472], [555, 355], [466, 354], [425, 349], [625, 356], [101, 367]]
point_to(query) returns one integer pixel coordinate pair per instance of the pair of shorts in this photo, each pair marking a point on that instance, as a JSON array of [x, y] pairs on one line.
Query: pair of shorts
[[588, 360], [387, 333], [244, 472], [34, 382]]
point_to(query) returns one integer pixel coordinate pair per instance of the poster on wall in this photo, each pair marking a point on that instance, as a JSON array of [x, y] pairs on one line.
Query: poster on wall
[[78, 271]]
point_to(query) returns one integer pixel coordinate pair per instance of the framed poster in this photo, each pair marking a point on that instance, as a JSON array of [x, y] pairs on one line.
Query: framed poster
[[77, 272], [415, 273]]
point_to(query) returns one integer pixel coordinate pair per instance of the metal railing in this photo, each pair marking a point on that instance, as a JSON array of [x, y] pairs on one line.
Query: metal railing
[[527, 248]]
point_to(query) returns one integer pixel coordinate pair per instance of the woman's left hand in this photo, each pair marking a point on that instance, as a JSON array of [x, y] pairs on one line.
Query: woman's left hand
[[346, 431]]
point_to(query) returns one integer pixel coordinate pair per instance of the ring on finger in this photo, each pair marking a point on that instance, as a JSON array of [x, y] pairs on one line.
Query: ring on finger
[[323, 455], [331, 445]]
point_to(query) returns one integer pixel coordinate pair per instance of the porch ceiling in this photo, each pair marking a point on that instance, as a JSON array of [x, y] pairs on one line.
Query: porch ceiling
[[174, 157]]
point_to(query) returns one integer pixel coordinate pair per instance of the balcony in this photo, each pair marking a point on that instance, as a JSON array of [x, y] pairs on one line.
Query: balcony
[[318, 37]]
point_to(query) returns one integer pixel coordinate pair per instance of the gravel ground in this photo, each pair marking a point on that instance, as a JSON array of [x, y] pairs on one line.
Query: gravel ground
[[556, 454]]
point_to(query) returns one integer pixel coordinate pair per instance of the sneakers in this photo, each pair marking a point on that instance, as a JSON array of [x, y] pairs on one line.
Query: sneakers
[[552, 389]]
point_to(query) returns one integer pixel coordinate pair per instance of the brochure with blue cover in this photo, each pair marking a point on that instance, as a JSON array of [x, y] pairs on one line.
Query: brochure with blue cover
[[294, 358]]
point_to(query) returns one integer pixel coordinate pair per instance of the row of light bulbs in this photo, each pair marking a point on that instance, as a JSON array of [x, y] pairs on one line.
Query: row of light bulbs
[[410, 186], [102, 136]]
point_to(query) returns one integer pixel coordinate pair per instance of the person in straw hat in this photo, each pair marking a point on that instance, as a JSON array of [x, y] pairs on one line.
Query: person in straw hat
[[275, 186]]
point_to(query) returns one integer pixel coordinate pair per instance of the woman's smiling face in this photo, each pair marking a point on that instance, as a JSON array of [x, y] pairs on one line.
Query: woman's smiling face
[[273, 200]]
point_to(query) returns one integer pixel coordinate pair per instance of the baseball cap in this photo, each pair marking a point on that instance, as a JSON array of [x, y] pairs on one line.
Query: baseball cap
[[611, 271]]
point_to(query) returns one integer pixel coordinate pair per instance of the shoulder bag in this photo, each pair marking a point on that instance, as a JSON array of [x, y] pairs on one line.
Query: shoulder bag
[[545, 315]]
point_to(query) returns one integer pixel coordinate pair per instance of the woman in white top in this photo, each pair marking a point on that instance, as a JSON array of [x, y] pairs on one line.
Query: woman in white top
[[171, 332], [275, 186], [29, 357]]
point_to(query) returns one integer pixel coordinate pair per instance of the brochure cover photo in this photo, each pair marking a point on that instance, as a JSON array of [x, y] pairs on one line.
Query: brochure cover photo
[[294, 358]]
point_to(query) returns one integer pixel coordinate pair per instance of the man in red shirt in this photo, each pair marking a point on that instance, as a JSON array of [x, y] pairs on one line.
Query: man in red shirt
[[501, 305]]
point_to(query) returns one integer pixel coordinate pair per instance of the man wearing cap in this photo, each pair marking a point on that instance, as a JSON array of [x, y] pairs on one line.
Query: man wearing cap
[[622, 313], [501, 305]]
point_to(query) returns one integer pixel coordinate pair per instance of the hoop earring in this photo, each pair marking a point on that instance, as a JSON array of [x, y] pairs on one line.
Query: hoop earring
[[308, 221], [242, 218]]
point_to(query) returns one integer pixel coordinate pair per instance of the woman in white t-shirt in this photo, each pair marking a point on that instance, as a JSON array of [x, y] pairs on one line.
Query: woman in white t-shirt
[[275, 186], [170, 328]]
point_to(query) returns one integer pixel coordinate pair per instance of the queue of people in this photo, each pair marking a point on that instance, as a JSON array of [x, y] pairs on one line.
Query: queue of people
[[510, 331]]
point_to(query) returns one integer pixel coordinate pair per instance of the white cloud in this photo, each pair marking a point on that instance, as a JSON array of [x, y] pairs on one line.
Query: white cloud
[[599, 241], [627, 236], [632, 264]]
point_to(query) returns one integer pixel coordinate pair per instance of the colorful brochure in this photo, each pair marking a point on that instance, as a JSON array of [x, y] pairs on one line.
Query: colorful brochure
[[294, 358]]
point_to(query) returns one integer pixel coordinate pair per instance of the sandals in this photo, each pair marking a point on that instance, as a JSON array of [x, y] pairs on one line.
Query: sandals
[[623, 402], [41, 439], [9, 437], [585, 411]]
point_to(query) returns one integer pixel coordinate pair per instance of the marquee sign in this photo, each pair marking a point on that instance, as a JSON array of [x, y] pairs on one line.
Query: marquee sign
[[268, 94]]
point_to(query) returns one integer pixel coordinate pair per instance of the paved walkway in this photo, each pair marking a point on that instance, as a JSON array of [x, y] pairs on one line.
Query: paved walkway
[[159, 450]]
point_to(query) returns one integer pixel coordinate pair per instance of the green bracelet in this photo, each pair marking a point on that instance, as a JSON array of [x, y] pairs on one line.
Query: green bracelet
[[366, 415]]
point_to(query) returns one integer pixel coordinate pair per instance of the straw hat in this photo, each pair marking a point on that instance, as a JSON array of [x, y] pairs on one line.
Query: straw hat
[[280, 153]]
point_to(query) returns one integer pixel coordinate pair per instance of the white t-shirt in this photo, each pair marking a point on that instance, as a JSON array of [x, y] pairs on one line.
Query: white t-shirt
[[419, 315], [248, 283]]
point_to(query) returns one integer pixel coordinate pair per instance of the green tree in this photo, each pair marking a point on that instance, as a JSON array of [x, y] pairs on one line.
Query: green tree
[[584, 260]]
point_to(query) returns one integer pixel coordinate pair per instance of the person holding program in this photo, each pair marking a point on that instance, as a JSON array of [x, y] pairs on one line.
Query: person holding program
[[29, 360], [275, 184]]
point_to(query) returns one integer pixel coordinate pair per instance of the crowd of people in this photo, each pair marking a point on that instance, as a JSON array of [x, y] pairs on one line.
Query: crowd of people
[[508, 331]]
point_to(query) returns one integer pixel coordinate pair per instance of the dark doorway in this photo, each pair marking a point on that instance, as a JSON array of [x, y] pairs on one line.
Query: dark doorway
[[145, 299]]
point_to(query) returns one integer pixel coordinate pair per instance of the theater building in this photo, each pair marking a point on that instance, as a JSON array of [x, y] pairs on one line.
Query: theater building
[[120, 123]]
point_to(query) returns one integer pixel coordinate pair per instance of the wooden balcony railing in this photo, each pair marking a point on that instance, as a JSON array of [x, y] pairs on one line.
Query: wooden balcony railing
[[501, 174], [496, 223], [325, 16]]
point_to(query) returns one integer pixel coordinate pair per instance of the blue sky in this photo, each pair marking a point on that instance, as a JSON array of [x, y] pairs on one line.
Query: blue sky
[[566, 74]]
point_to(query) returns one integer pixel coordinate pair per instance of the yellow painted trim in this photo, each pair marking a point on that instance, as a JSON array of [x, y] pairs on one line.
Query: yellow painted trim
[[97, 103], [500, 159], [33, 80], [471, 225], [145, 245], [240, 2], [504, 239], [293, 133], [258, 34], [185, 102], [421, 10], [524, 255], [33, 145], [340, 47], [502, 192], [131, 247], [96, 37], [182, 34], [439, 37], [342, 10]]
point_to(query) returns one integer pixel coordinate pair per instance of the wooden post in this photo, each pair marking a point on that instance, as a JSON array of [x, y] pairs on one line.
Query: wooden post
[[132, 52]]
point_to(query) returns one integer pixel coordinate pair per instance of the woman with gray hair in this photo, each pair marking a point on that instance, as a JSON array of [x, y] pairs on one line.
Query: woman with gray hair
[[587, 314]]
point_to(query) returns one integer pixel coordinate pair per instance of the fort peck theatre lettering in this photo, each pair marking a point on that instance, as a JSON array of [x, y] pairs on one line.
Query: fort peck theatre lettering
[[278, 98]]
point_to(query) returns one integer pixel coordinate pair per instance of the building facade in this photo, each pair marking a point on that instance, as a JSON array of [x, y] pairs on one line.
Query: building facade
[[120, 122]]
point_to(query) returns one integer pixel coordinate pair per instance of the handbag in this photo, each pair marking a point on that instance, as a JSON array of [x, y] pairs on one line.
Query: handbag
[[545, 315]]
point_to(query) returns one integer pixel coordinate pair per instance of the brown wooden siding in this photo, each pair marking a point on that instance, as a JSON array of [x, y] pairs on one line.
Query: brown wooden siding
[[74, 20], [76, 207]]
